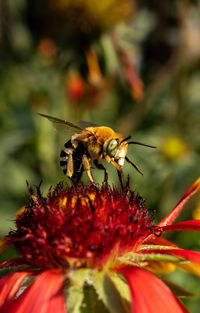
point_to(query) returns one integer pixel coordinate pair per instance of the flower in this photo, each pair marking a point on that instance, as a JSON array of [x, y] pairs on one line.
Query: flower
[[75, 87], [93, 248], [47, 48], [87, 17]]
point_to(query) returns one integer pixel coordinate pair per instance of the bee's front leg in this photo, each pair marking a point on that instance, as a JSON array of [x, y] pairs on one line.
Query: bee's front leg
[[86, 166], [120, 174], [101, 167]]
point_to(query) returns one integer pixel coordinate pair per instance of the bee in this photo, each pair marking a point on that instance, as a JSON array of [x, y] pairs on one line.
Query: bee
[[90, 142]]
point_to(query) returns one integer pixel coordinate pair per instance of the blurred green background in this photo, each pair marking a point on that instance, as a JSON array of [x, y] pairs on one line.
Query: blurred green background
[[130, 65]]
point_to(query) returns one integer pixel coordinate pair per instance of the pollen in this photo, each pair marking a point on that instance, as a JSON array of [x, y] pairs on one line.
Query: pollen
[[63, 202], [84, 201], [73, 201], [92, 196], [78, 264]]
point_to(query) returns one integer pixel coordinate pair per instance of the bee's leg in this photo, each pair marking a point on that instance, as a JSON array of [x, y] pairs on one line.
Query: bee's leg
[[70, 165], [101, 167], [77, 176], [130, 162], [120, 173], [86, 166]]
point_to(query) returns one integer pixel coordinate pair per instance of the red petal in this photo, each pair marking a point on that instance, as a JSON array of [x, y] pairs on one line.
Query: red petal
[[149, 294], [158, 241], [44, 295], [193, 225], [187, 254], [9, 286], [168, 220]]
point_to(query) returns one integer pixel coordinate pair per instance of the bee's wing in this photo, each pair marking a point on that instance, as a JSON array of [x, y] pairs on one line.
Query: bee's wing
[[85, 124], [64, 127]]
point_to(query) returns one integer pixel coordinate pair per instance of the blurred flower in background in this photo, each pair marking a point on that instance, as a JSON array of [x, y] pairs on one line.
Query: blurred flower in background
[[173, 148], [196, 212], [87, 17]]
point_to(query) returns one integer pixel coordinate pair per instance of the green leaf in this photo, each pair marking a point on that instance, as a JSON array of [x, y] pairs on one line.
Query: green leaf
[[74, 292], [112, 290]]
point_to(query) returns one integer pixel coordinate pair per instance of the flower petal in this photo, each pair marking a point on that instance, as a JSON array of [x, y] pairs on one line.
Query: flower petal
[[9, 287], [189, 267], [186, 254], [193, 225], [149, 293], [160, 267], [168, 220], [44, 295], [158, 241]]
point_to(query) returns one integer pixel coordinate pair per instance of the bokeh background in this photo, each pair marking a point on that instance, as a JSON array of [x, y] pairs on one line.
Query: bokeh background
[[131, 65]]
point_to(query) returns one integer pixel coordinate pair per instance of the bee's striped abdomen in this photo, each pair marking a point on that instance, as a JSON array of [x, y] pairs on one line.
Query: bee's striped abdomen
[[64, 156], [71, 161]]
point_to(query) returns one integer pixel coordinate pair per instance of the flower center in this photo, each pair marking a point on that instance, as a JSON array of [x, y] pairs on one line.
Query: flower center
[[81, 226]]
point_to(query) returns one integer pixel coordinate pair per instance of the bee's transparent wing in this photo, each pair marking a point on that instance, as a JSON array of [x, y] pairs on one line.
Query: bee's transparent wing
[[85, 124], [63, 127]]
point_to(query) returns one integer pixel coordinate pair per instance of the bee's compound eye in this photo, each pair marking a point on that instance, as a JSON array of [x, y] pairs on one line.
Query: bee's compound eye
[[111, 148]]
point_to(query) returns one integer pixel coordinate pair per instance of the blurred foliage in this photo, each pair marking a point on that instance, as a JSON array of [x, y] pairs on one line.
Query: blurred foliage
[[133, 66]]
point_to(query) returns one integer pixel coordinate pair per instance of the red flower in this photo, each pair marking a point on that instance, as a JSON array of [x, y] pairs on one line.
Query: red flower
[[77, 244], [75, 87]]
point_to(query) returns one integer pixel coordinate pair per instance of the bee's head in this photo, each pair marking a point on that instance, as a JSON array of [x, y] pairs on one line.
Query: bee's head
[[116, 151]]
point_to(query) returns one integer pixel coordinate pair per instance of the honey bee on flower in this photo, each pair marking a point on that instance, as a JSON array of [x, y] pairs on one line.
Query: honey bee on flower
[[90, 142]]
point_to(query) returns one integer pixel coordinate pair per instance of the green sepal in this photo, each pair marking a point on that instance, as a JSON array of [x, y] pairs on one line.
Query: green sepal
[[9, 269], [136, 258], [177, 290], [112, 290], [74, 293], [122, 286], [92, 302], [5, 271], [156, 247]]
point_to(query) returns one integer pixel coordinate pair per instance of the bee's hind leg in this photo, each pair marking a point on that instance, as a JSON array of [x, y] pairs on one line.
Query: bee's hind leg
[[86, 166], [75, 179], [101, 167]]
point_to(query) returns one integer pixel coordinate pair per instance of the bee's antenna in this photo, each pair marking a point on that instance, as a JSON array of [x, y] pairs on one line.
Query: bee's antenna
[[140, 143], [127, 138]]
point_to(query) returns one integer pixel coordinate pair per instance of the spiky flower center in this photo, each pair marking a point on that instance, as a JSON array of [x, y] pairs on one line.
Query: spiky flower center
[[82, 226]]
